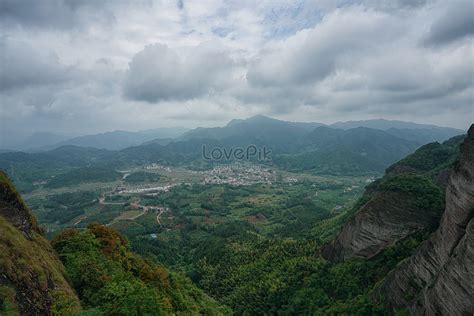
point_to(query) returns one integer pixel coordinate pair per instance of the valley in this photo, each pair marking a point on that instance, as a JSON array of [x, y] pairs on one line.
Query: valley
[[247, 192], [314, 230]]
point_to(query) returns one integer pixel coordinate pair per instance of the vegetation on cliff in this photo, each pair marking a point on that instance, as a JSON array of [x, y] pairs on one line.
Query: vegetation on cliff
[[31, 276]]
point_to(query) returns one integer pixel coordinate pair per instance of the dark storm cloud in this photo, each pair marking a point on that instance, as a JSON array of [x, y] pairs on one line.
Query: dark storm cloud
[[456, 22], [62, 14], [158, 73]]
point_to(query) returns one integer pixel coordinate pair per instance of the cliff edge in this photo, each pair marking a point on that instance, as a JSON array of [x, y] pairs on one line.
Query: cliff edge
[[408, 199], [31, 275], [439, 278]]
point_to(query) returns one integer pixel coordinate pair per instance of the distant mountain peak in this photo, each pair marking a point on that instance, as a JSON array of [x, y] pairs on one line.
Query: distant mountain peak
[[260, 117], [385, 124], [231, 123], [253, 119]]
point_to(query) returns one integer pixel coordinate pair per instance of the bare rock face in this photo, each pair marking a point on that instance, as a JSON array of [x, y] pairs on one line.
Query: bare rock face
[[439, 278], [387, 218]]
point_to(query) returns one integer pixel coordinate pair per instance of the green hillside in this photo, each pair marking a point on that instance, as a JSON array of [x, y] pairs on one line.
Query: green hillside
[[110, 279]]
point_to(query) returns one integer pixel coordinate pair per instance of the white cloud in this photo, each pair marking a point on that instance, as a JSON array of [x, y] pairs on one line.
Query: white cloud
[[311, 55], [20, 69], [134, 65], [158, 73]]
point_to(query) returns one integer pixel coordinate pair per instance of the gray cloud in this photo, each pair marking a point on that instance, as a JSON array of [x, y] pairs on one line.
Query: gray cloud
[[390, 5], [456, 22], [158, 73], [22, 66], [361, 61], [313, 55], [51, 14], [91, 66]]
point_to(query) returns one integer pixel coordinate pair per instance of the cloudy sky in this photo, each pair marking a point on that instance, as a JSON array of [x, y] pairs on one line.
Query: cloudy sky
[[71, 66]]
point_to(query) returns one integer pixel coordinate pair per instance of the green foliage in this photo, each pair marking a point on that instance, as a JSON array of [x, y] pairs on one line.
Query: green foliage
[[337, 162], [84, 174], [111, 279], [8, 304], [425, 193], [31, 264], [62, 216], [74, 198], [428, 157], [142, 177], [327, 229], [289, 278], [64, 207]]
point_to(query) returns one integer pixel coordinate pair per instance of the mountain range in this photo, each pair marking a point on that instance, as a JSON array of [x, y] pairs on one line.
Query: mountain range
[[310, 147], [265, 128], [258, 127], [114, 140]]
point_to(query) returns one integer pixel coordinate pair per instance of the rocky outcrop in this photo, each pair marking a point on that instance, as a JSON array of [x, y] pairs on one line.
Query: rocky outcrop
[[408, 199], [387, 218], [14, 209], [32, 278], [439, 278]]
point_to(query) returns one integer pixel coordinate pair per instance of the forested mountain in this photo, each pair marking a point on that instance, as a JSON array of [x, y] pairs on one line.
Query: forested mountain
[[438, 278], [298, 147], [386, 124], [354, 151], [408, 199], [259, 127], [39, 140], [424, 135], [121, 139], [28, 168], [265, 128]]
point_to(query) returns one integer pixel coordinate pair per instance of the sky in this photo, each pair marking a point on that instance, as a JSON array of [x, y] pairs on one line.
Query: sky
[[80, 67]]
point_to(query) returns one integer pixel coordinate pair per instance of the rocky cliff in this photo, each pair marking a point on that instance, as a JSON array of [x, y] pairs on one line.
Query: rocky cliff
[[31, 276], [387, 218], [439, 278], [408, 199]]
